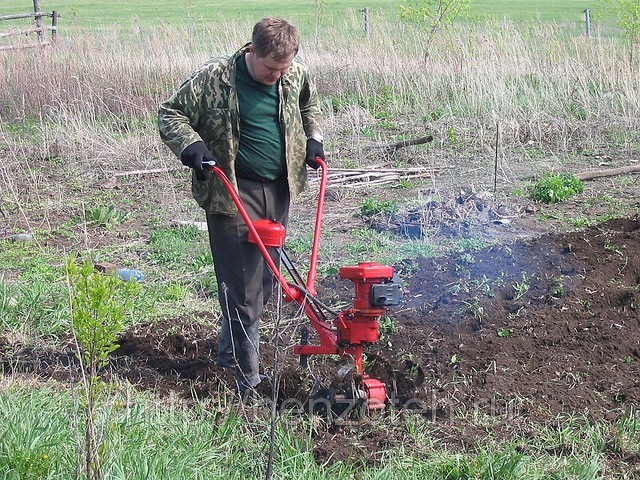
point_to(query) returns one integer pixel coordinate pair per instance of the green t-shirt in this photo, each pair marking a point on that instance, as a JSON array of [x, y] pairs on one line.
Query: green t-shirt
[[261, 149]]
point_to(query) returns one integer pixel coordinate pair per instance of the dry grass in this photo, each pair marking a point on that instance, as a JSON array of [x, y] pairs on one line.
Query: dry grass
[[531, 78], [91, 100]]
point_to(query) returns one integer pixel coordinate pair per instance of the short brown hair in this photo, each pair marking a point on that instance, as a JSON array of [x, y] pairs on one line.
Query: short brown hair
[[276, 38]]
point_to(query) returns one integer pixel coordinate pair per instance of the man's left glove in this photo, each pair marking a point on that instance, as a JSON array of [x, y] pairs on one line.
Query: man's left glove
[[314, 150], [194, 155]]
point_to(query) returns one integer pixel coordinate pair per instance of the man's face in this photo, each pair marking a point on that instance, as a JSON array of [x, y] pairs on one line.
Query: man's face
[[267, 70]]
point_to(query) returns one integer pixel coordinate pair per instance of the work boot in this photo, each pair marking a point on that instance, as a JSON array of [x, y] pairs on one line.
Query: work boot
[[266, 381], [231, 365], [226, 360], [252, 398]]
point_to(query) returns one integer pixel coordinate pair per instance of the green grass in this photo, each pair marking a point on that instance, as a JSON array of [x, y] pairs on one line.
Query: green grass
[[542, 10], [33, 303], [182, 248], [372, 206], [145, 439], [34, 299], [125, 13], [32, 307]]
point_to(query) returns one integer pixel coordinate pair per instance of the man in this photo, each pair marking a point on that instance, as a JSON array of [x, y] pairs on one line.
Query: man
[[256, 115]]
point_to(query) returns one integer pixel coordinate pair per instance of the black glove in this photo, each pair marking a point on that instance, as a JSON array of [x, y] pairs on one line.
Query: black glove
[[314, 149], [194, 155]]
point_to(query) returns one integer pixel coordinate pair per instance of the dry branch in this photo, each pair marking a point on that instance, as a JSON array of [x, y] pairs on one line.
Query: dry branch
[[144, 172], [26, 15], [392, 147], [349, 177], [16, 47], [27, 31], [608, 172]]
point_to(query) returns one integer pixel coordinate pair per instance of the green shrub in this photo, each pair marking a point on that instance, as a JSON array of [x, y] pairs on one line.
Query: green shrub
[[372, 206], [99, 305], [554, 188], [104, 216]]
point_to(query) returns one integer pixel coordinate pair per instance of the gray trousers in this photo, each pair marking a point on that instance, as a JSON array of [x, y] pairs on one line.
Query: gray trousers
[[245, 282]]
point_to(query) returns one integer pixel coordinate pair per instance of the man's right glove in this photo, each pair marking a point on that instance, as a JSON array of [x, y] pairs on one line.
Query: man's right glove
[[194, 155], [314, 150]]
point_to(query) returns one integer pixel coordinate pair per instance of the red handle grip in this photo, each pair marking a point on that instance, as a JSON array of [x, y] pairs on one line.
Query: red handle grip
[[315, 247]]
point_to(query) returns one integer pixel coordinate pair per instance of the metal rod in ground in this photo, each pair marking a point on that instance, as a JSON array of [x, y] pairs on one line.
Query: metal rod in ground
[[495, 163]]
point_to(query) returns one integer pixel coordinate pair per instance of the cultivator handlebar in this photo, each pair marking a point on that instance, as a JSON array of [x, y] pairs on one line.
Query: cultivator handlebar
[[376, 288]]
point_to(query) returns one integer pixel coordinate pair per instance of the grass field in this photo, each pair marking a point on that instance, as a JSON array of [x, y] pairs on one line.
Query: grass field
[[305, 12]]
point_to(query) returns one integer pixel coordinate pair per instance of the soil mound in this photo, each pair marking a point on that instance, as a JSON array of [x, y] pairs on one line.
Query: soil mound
[[522, 331]]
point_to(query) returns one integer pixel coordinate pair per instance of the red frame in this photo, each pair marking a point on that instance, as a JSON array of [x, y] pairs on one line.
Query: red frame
[[354, 326]]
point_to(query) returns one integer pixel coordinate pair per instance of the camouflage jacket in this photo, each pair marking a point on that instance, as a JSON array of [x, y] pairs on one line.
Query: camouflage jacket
[[205, 107]]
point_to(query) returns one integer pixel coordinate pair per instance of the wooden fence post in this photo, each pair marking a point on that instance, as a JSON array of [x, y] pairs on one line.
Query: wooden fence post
[[54, 26], [38, 19], [39, 29], [366, 20], [587, 21]]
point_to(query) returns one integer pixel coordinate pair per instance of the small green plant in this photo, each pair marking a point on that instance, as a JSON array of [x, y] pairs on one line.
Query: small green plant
[[466, 259], [370, 133], [405, 183], [454, 361], [499, 281], [522, 287], [470, 244], [554, 188], [373, 206], [580, 222], [433, 15], [586, 304], [201, 261], [557, 289], [504, 332], [175, 291], [386, 325], [98, 317], [104, 216], [387, 124], [434, 115], [301, 244], [611, 247], [474, 308], [521, 312], [483, 285], [519, 192], [452, 135], [627, 359], [413, 249]]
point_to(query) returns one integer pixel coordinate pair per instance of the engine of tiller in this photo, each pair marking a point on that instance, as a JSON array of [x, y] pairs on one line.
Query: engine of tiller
[[355, 327]]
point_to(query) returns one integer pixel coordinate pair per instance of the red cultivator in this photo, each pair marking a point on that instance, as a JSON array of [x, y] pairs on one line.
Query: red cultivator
[[350, 330]]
